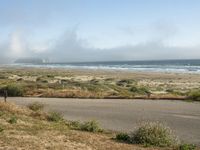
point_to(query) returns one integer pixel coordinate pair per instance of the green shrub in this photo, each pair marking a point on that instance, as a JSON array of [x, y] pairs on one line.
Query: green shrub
[[194, 95], [1, 129], [187, 147], [134, 89], [94, 81], [124, 82], [50, 76], [1, 113], [175, 92], [75, 125], [139, 90], [36, 106], [54, 117], [13, 120], [12, 90], [123, 137], [170, 90], [2, 76], [144, 90], [155, 134], [90, 126]]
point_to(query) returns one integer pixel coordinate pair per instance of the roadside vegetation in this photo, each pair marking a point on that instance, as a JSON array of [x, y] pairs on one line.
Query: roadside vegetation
[[123, 137], [54, 116], [187, 147], [194, 95], [150, 134], [36, 106], [154, 133], [89, 126], [13, 90], [51, 131]]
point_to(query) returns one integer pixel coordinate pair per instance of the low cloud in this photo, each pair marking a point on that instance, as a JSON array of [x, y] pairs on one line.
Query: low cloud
[[70, 48]]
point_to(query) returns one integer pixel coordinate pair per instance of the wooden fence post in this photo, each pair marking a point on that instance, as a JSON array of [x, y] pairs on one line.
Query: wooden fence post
[[5, 95]]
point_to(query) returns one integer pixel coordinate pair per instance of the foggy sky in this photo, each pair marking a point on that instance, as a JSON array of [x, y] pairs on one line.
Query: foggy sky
[[67, 31]]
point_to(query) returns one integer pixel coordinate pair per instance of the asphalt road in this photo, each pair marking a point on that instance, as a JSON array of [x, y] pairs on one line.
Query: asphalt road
[[125, 115]]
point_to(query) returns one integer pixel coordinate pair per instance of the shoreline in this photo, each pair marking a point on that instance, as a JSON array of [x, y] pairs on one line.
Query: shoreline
[[102, 68]]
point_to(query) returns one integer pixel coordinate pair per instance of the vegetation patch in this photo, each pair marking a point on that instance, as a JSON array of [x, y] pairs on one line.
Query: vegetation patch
[[124, 82], [194, 95], [12, 90], [51, 83], [124, 137], [140, 90], [39, 115], [91, 126], [187, 147], [155, 134], [54, 116], [76, 125], [36, 106], [1, 129], [13, 120]]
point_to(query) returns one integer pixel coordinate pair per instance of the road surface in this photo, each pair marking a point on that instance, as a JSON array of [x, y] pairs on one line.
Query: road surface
[[125, 115]]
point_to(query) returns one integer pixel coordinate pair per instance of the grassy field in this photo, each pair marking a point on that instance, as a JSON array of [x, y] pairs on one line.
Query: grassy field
[[98, 84]]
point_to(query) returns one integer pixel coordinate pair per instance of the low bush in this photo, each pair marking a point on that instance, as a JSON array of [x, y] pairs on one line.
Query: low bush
[[139, 90], [124, 82], [36, 106], [50, 76], [155, 134], [123, 137], [134, 89], [1, 129], [90, 126], [194, 95], [170, 90], [75, 125], [54, 117], [42, 80], [187, 147], [13, 120], [13, 90], [1, 113]]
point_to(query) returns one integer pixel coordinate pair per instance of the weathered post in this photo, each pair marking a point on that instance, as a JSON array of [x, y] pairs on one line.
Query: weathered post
[[5, 95]]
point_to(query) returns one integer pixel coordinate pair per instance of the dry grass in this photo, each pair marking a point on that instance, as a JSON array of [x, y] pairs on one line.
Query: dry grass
[[14, 109], [36, 106], [30, 133]]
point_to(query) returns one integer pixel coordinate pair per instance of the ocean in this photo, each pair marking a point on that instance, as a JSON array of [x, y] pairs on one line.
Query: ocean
[[179, 66]]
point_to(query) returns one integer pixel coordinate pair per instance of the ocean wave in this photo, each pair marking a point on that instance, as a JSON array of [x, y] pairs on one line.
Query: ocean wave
[[125, 67]]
